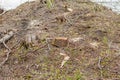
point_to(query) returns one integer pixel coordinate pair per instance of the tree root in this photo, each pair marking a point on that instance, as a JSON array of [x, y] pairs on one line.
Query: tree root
[[3, 40]]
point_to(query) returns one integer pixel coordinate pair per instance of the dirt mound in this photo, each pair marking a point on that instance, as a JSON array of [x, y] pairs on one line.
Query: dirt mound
[[94, 49]]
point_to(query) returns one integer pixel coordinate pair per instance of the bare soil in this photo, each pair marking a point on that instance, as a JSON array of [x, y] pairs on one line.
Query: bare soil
[[94, 57]]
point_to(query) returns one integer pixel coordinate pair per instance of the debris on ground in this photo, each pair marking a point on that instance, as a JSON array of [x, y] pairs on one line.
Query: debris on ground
[[87, 33]]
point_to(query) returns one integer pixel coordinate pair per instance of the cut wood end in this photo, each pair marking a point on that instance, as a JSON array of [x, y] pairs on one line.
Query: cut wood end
[[60, 41]]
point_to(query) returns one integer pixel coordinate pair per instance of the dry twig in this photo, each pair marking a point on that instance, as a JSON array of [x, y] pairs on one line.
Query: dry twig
[[3, 13], [47, 41], [99, 63], [99, 66], [9, 51], [3, 40], [7, 37]]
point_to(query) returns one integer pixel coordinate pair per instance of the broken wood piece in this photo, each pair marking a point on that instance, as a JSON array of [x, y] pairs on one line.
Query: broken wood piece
[[7, 37], [60, 42], [66, 58]]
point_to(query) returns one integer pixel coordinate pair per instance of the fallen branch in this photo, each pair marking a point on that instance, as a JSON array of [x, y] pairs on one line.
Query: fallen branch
[[3, 40], [3, 13], [100, 67], [7, 37]]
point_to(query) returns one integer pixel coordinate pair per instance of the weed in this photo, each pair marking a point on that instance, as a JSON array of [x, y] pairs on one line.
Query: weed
[[50, 3], [105, 40]]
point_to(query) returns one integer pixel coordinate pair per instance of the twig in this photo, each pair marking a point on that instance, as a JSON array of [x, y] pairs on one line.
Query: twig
[[99, 63], [48, 44], [33, 51], [7, 37], [3, 40], [99, 66], [9, 51], [3, 13]]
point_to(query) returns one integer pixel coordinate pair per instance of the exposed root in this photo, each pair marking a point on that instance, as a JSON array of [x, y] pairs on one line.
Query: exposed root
[[8, 53], [3, 40], [7, 37]]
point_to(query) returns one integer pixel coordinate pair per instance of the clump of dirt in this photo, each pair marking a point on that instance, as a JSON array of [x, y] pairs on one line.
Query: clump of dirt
[[94, 50]]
